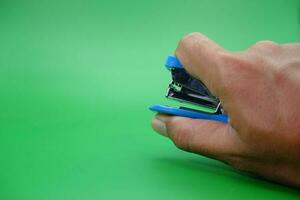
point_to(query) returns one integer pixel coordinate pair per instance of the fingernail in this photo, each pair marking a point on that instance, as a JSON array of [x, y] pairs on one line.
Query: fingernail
[[159, 124]]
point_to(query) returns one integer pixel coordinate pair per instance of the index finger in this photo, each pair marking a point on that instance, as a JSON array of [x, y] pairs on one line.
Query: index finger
[[201, 57]]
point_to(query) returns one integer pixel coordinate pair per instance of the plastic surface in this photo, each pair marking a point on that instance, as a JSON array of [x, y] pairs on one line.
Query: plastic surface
[[187, 113], [173, 62]]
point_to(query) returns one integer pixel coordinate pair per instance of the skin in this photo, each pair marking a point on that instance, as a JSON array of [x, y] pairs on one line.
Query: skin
[[260, 91]]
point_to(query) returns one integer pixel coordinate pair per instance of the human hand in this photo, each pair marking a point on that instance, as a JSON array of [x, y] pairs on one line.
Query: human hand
[[260, 91]]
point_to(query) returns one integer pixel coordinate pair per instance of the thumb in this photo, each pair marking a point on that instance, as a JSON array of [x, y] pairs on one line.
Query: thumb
[[208, 138]]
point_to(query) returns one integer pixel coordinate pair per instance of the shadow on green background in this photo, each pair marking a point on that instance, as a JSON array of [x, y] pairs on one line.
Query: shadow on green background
[[76, 78]]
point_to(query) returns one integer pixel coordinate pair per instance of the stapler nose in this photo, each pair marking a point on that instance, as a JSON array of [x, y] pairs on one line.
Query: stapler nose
[[185, 88]]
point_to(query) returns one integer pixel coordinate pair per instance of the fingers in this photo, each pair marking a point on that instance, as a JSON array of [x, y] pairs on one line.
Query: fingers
[[208, 138], [202, 58]]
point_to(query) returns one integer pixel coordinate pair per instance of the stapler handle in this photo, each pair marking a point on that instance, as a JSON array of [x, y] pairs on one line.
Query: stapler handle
[[173, 63]]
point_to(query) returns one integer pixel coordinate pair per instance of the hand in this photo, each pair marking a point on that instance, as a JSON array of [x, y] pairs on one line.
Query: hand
[[260, 91]]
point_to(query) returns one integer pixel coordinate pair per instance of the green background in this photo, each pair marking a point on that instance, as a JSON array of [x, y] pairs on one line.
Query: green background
[[76, 78]]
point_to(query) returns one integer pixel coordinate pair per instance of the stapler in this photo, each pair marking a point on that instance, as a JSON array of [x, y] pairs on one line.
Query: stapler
[[190, 91]]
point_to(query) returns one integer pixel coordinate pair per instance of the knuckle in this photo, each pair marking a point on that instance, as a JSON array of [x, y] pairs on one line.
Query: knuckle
[[265, 45], [191, 36], [179, 134], [181, 142], [188, 39]]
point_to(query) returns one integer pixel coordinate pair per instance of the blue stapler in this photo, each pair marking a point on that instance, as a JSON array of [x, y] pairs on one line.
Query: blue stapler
[[189, 90]]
